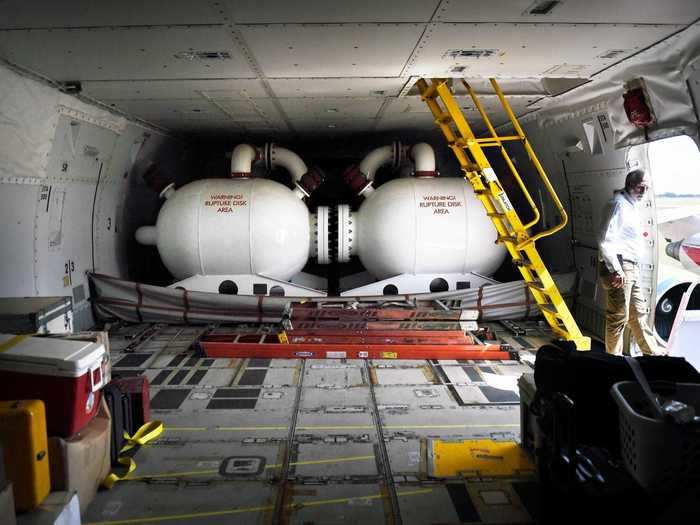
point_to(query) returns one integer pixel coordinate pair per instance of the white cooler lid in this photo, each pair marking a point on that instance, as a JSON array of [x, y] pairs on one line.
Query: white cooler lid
[[48, 355]]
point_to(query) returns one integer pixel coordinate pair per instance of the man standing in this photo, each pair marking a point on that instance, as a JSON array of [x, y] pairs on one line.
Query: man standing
[[620, 244]]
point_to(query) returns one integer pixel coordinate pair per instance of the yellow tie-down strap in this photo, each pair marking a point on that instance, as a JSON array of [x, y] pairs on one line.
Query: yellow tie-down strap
[[12, 342], [148, 432]]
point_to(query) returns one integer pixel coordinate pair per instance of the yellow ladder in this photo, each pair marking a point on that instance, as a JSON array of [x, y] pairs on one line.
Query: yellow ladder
[[511, 230]]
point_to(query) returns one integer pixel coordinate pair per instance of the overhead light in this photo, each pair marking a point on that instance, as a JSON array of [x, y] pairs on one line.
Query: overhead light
[[203, 55], [331, 125], [469, 53], [331, 110], [458, 69], [612, 53]]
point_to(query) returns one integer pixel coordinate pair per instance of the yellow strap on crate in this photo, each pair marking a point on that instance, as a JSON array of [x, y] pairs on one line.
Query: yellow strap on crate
[[143, 435]]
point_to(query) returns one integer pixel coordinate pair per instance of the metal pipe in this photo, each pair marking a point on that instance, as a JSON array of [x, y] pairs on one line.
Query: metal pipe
[[498, 140], [538, 166], [277, 156], [380, 156], [147, 235], [242, 160], [424, 158]]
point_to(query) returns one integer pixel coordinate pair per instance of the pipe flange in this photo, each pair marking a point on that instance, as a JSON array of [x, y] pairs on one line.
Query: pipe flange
[[321, 234], [398, 155], [347, 233], [168, 191], [268, 152]]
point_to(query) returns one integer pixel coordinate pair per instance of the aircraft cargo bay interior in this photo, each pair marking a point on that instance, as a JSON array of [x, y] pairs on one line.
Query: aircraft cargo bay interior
[[337, 262]]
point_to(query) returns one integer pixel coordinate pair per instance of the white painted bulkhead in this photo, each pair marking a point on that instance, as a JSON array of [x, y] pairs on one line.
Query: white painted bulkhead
[[71, 195]]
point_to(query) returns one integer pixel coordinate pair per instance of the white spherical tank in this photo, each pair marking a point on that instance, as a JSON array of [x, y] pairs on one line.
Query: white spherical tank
[[238, 226], [425, 226]]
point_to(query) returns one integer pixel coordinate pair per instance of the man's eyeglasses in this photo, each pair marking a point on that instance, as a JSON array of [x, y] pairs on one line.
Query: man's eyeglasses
[[641, 188]]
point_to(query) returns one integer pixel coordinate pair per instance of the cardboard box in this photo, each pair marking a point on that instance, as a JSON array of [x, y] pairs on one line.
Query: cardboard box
[[7, 504], [81, 462]]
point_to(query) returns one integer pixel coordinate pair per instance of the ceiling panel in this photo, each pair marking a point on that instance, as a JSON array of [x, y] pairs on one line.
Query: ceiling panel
[[413, 113], [331, 109], [406, 122], [124, 53], [574, 11], [413, 104], [243, 130], [156, 110], [89, 13], [318, 11], [530, 50], [330, 129], [336, 87], [522, 86], [253, 110], [169, 89], [192, 126], [344, 50]]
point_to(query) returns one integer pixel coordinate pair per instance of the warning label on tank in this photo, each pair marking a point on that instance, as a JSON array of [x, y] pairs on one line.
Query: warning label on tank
[[440, 204], [224, 202]]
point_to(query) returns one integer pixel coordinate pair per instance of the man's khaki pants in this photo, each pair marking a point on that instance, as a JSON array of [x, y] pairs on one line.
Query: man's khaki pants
[[626, 305]]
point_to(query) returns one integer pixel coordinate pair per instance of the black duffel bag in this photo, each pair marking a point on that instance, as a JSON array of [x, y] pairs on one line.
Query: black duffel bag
[[587, 377]]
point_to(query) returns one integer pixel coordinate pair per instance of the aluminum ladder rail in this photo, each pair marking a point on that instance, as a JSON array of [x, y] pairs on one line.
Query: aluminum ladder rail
[[512, 232]]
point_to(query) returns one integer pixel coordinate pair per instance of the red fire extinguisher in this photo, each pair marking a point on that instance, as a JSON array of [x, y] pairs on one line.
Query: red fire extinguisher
[[637, 107]]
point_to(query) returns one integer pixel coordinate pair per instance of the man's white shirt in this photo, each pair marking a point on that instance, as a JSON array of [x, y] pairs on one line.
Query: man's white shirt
[[620, 232]]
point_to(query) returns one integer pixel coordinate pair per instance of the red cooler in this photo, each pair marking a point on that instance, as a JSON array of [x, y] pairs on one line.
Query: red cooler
[[66, 375]]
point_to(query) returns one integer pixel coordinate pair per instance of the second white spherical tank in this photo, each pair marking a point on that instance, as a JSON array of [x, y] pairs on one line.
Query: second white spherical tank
[[238, 226], [426, 226]]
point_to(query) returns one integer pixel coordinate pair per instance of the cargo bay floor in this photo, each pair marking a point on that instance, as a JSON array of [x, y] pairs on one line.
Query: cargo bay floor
[[322, 441]]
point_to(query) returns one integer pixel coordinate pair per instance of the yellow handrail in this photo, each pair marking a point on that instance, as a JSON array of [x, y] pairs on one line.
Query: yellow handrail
[[538, 166], [494, 137]]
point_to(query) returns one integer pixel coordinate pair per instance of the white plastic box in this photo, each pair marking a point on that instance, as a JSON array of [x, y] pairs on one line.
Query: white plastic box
[[42, 315]]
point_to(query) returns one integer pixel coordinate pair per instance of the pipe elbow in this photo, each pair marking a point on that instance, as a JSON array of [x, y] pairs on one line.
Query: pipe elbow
[[374, 159], [393, 153], [276, 156], [242, 160], [424, 159]]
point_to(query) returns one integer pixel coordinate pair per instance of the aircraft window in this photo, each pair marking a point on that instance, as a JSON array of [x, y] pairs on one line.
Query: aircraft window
[[675, 168]]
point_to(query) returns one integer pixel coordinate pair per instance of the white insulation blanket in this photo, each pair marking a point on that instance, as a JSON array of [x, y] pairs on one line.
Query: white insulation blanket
[[135, 302]]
